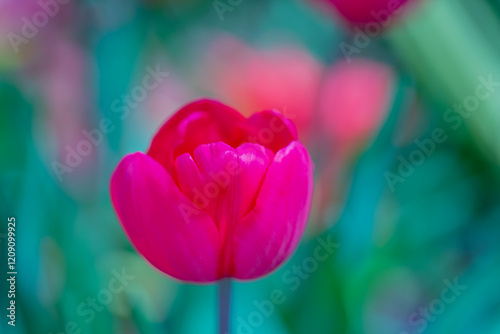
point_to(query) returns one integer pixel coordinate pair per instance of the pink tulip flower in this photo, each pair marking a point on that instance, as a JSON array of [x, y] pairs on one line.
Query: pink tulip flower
[[217, 195]]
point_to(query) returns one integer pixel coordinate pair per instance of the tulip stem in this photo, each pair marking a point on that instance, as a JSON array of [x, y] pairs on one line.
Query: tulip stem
[[224, 305]]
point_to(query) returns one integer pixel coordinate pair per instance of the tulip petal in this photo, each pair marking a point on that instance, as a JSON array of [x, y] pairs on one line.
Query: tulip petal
[[201, 122], [224, 182], [162, 223], [271, 129], [272, 230]]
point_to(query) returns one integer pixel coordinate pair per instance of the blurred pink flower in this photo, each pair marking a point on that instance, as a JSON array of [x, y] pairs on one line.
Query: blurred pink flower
[[65, 89], [354, 102], [11, 22], [12, 12], [27, 27], [214, 197], [286, 79], [63, 80]]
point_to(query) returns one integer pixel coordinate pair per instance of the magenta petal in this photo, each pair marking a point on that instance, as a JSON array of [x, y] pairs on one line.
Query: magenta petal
[[162, 223], [200, 122], [271, 129], [224, 182], [272, 230]]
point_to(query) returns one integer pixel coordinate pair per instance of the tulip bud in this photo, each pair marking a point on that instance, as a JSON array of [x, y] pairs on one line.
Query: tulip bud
[[206, 202]]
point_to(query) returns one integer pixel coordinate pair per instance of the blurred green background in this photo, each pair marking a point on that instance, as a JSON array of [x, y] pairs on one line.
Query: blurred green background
[[402, 124]]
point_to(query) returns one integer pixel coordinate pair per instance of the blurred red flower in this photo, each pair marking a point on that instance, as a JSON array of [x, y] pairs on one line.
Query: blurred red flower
[[361, 12], [286, 79]]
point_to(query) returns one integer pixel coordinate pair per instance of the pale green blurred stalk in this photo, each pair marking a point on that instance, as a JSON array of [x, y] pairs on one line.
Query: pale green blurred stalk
[[448, 44]]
